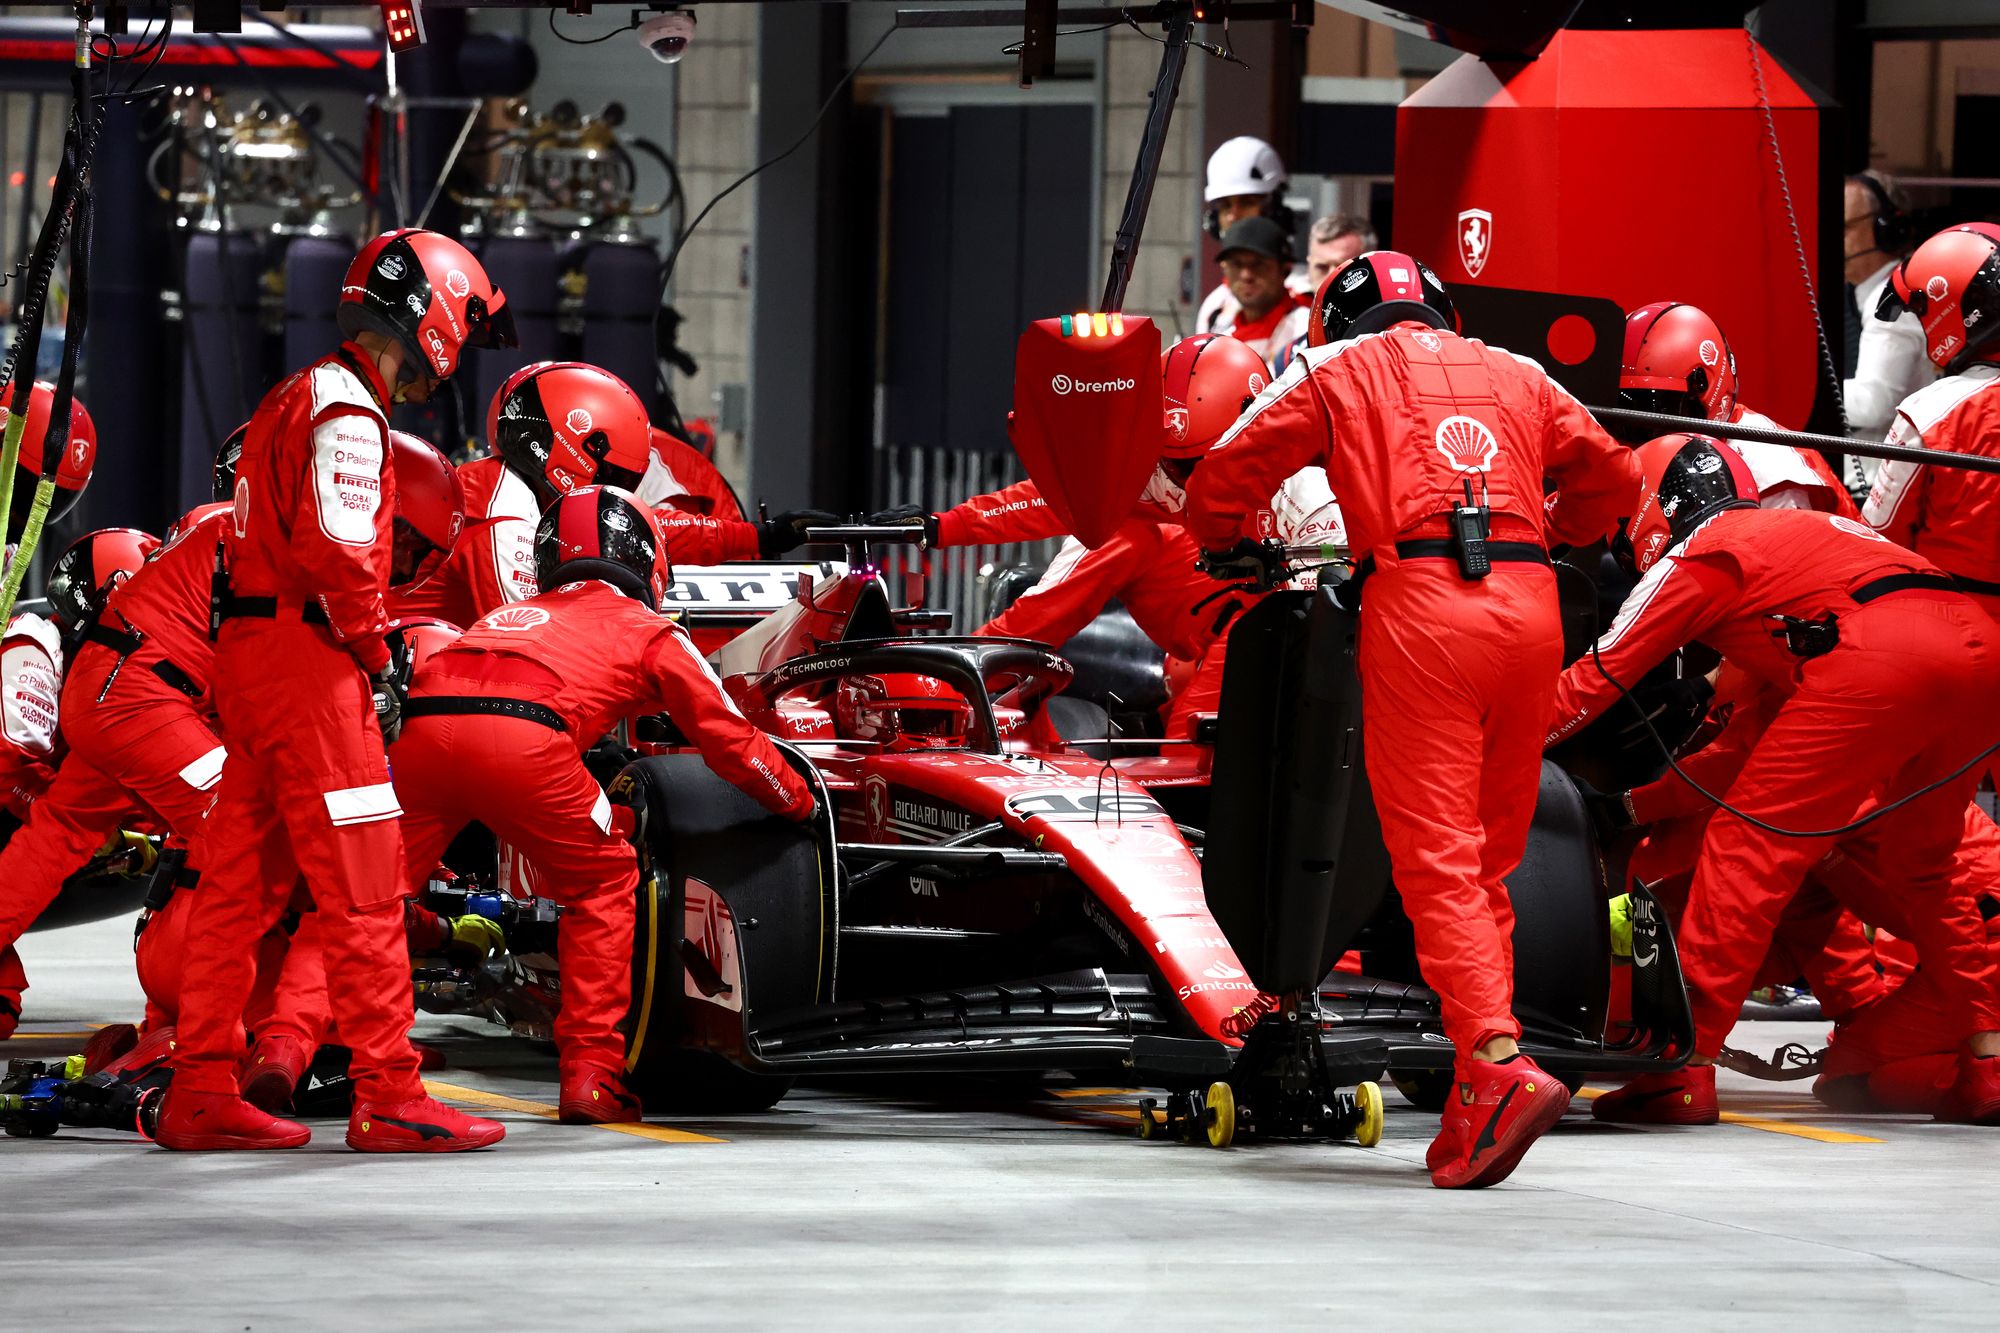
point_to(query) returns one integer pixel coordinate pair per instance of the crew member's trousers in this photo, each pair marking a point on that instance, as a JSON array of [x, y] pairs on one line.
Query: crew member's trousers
[[1903, 700], [306, 791], [527, 784], [1457, 681]]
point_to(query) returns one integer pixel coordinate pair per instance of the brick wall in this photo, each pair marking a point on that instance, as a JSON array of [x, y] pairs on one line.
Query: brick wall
[[714, 137]]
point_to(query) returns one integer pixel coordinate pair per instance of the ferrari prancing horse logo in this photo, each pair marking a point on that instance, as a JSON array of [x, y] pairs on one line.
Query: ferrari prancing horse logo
[[1475, 239]]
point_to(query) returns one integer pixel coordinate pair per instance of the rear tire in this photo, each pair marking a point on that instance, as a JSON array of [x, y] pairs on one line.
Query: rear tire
[[1425, 1089], [703, 1083]]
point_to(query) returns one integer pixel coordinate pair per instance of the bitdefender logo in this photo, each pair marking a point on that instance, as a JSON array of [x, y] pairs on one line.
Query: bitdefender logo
[[1063, 384]]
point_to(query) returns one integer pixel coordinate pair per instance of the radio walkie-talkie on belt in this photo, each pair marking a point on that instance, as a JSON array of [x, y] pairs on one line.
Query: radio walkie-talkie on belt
[[1469, 527]]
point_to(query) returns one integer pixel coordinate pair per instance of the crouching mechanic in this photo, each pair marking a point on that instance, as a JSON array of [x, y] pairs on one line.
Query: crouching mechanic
[[305, 788], [1414, 424], [1886, 672], [494, 730], [74, 812]]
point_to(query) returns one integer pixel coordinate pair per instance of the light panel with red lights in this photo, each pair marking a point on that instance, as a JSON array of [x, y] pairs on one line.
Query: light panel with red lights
[[403, 20]]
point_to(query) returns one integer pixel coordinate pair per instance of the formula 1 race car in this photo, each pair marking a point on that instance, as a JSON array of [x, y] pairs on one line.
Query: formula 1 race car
[[986, 893]]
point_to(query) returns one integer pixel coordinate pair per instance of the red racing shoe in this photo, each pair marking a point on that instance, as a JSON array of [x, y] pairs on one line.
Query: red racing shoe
[[1974, 1098], [151, 1051], [209, 1121], [418, 1124], [108, 1044], [594, 1095], [277, 1063], [1684, 1097], [1482, 1141]]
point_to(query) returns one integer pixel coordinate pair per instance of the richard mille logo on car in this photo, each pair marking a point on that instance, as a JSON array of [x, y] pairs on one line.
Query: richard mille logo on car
[[1063, 384], [932, 816]]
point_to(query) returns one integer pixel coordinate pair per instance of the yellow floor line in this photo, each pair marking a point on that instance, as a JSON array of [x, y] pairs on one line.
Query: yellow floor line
[[84, 1035], [1091, 1092], [1813, 1132], [497, 1102]]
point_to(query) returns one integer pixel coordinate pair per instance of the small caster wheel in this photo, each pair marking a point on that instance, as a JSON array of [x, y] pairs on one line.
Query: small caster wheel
[[1150, 1128], [1221, 1115], [1368, 1104]]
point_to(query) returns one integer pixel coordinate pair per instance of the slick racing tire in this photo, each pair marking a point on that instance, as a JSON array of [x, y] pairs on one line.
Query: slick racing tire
[[1425, 1089], [703, 1083]]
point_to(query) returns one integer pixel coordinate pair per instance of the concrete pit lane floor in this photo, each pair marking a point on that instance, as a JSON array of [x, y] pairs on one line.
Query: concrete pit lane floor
[[962, 1205]]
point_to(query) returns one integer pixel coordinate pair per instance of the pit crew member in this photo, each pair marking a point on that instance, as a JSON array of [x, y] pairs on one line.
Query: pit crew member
[[1886, 671], [496, 725], [1419, 429], [305, 787]]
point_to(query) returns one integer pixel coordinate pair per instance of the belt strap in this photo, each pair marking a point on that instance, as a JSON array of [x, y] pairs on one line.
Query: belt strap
[[176, 678], [1905, 582], [1984, 587], [1499, 553], [459, 705], [1509, 553], [266, 608], [118, 641]]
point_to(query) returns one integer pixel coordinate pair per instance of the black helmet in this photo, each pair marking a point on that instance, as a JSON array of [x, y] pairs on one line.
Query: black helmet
[[601, 532], [1685, 480], [84, 574], [1372, 291], [226, 459]]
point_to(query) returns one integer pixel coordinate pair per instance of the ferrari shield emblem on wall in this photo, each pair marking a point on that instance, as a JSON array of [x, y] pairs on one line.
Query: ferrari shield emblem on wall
[[1475, 239]]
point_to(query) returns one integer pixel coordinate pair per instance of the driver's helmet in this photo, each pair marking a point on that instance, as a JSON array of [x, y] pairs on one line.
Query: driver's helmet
[[900, 711]]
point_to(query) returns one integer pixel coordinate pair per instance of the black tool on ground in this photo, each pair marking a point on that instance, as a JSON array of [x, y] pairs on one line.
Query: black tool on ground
[[38, 1097]]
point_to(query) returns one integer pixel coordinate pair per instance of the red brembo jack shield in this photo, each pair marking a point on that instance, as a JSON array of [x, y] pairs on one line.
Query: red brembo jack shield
[[1088, 416]]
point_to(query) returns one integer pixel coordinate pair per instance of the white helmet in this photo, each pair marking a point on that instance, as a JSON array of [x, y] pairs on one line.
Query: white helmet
[[1243, 165]]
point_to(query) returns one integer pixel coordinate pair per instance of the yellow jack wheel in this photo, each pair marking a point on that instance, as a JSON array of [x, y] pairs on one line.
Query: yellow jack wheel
[[1368, 1101], [1149, 1128], [1221, 1115]]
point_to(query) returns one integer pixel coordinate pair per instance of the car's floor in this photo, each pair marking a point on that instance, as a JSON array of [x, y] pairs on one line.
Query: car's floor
[[846, 1208]]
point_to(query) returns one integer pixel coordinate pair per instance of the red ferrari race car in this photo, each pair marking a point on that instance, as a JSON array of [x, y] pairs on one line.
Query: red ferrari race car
[[994, 887]]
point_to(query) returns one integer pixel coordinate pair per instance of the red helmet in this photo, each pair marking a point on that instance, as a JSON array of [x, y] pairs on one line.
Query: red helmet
[[901, 712], [1952, 285], [1210, 380], [1676, 361], [428, 293], [412, 641], [601, 532], [561, 424], [1685, 480], [84, 575], [430, 508], [1374, 291], [72, 474]]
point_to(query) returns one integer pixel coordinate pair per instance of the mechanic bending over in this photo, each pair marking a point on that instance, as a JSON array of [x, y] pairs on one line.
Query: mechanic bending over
[[1150, 563], [1438, 447], [1887, 674], [305, 788], [495, 726]]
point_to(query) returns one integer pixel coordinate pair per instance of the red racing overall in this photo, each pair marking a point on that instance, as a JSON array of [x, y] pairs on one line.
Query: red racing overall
[[1453, 670], [305, 789], [497, 725], [1900, 701]]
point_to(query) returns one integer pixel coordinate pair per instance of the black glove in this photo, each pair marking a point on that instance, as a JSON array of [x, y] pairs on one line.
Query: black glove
[[786, 532], [1249, 560], [388, 705], [907, 516], [1610, 812]]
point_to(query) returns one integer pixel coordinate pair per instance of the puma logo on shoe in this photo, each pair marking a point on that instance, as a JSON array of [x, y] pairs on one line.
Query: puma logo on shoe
[[422, 1131], [1487, 1139]]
